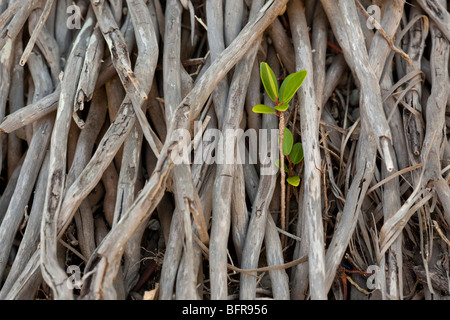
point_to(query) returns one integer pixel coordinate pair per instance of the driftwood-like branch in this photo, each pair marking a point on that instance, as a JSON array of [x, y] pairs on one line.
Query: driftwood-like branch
[[117, 45], [145, 64], [121, 61], [171, 58], [435, 115], [30, 240], [370, 92], [214, 14], [282, 44], [31, 113], [319, 45], [234, 11], [45, 13], [16, 102], [221, 216], [12, 30], [51, 271], [48, 45], [84, 147], [260, 205], [6, 15], [31, 165], [391, 192], [365, 165], [91, 70], [438, 13], [187, 197], [9, 190], [309, 118]]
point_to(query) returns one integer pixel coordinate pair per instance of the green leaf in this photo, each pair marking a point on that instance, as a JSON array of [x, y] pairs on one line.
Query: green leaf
[[269, 81], [291, 84], [288, 141], [262, 108], [282, 107], [277, 163], [297, 153], [294, 181]]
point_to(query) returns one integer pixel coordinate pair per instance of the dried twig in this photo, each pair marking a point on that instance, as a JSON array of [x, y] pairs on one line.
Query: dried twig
[[37, 30], [384, 34]]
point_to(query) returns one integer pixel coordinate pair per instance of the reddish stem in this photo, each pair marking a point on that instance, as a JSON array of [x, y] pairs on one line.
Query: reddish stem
[[145, 275]]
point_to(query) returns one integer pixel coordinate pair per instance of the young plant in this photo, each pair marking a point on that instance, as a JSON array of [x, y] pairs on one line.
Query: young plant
[[281, 98]]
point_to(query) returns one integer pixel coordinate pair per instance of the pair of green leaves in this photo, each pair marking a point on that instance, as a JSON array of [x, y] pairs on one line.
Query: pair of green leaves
[[284, 94], [294, 152]]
